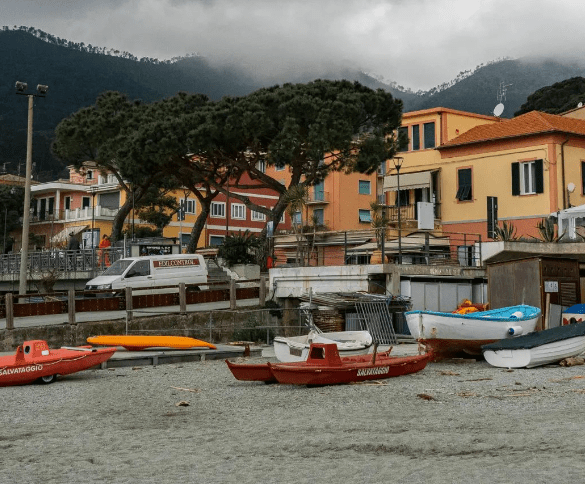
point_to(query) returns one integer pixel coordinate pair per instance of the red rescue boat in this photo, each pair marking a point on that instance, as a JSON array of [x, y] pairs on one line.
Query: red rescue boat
[[324, 366], [35, 361]]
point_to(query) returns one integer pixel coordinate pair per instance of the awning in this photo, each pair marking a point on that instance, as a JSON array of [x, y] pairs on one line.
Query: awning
[[63, 236], [408, 181]]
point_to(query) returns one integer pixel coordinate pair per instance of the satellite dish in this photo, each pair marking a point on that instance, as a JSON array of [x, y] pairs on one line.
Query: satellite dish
[[498, 110], [580, 105], [571, 187]]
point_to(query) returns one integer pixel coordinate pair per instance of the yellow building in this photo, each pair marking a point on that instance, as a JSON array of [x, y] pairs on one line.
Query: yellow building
[[421, 176], [531, 165]]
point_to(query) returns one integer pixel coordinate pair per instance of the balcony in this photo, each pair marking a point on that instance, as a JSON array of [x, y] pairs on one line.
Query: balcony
[[408, 213], [77, 214], [316, 198]]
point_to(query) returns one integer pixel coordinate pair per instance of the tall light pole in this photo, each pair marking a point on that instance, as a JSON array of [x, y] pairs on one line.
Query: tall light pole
[[92, 190], [398, 160], [12, 190], [21, 88]]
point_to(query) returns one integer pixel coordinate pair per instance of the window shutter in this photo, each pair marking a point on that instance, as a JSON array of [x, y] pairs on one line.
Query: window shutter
[[539, 177], [515, 178]]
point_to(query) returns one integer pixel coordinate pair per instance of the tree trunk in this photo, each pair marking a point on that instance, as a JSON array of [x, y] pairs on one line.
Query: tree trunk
[[119, 219], [198, 227]]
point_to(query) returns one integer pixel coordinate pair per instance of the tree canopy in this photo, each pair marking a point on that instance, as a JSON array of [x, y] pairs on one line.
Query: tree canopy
[[557, 98], [312, 130], [309, 129]]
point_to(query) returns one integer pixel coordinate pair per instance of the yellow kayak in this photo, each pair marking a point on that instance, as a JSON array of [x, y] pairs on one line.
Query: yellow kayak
[[137, 343]]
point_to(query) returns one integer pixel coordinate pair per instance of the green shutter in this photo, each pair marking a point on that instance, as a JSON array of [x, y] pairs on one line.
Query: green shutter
[[515, 178], [539, 181]]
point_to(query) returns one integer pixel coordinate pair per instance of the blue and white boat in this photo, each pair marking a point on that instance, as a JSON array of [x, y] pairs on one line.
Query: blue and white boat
[[537, 349], [449, 334]]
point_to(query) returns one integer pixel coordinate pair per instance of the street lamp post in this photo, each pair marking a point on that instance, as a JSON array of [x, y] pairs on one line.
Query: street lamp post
[[398, 160], [21, 88]]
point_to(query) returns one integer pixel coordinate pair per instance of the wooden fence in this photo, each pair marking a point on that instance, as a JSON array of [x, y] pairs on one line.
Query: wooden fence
[[73, 302]]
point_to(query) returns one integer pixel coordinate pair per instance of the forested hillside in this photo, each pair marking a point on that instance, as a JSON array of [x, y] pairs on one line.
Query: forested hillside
[[76, 74]]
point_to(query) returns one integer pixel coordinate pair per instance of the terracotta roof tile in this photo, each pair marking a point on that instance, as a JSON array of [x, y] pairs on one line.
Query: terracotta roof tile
[[533, 122]]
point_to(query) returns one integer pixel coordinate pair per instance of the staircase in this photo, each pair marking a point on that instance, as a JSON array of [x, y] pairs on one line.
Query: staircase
[[215, 273]]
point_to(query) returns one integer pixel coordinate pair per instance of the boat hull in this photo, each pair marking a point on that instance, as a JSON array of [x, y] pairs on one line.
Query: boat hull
[[296, 348], [349, 373], [251, 372], [447, 333], [138, 342], [34, 360], [537, 349]]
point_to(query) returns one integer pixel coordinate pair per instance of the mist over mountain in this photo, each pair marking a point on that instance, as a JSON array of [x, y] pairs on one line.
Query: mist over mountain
[[77, 74]]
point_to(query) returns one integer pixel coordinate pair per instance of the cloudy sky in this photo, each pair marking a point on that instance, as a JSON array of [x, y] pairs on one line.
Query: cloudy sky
[[417, 43]]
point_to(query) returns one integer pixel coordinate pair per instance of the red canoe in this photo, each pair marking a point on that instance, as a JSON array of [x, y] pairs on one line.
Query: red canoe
[[35, 361], [324, 366]]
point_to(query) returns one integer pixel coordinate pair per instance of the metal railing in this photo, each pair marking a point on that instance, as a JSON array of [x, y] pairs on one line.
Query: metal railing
[[62, 261]]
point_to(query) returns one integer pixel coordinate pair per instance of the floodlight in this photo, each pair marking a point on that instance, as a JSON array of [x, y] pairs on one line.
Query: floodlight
[[21, 86]]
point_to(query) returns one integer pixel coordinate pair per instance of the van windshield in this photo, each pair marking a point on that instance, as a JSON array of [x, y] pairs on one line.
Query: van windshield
[[118, 267]]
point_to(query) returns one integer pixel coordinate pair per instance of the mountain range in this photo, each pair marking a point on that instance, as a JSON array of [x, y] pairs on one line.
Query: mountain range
[[77, 73]]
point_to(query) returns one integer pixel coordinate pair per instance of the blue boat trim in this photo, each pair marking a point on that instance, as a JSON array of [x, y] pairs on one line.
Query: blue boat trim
[[501, 314], [539, 338], [576, 309]]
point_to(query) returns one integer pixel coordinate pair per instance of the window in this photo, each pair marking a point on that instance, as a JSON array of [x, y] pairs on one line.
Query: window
[[527, 177], [238, 211], [89, 175], [365, 187], [416, 137], [464, 191], [404, 197], [191, 206], [85, 202], [279, 166], [215, 240], [429, 135], [67, 203], [403, 133], [319, 191], [365, 216], [318, 217], [218, 209], [261, 166], [257, 216], [141, 268], [297, 218], [382, 168]]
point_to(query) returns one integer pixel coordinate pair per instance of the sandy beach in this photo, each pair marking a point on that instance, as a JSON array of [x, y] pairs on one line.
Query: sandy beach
[[454, 422]]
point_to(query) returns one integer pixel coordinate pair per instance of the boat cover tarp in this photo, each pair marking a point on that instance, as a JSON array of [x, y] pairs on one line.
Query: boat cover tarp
[[538, 338]]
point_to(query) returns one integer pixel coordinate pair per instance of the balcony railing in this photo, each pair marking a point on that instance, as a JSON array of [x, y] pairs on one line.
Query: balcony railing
[[74, 214], [409, 213], [318, 197]]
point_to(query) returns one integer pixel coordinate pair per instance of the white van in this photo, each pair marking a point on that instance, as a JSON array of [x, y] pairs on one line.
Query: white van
[[142, 273]]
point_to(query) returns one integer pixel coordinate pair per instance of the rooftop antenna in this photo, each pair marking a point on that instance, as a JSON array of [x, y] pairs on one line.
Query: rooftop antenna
[[499, 109]]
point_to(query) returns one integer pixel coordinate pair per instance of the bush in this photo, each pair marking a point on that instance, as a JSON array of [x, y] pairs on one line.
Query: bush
[[239, 248]]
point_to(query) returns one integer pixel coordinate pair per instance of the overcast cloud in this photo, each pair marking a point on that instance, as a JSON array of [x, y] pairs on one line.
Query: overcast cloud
[[416, 43]]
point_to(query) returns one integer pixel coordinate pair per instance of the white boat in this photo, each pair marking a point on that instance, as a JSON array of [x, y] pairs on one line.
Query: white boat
[[537, 349], [296, 348], [448, 333]]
